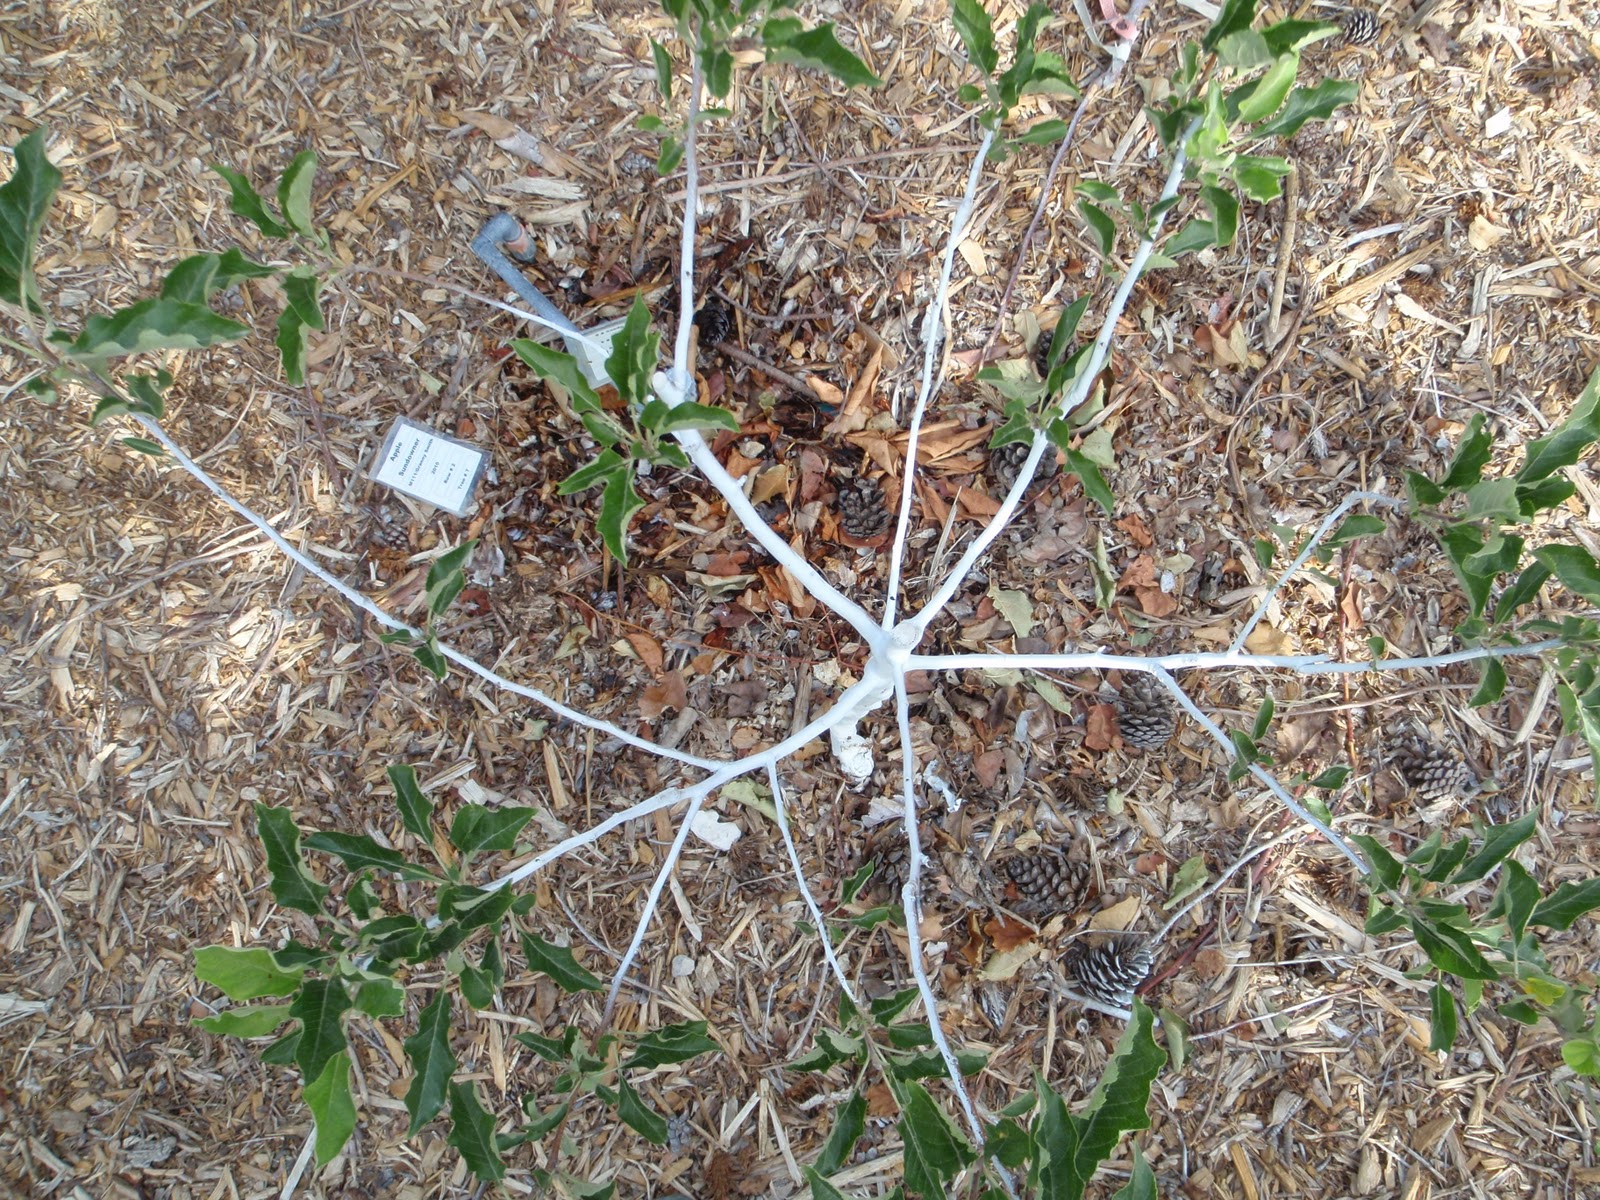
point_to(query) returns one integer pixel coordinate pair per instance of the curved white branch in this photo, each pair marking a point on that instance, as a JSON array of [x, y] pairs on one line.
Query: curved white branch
[[1074, 397], [930, 359], [780, 807], [357, 600], [1306, 551]]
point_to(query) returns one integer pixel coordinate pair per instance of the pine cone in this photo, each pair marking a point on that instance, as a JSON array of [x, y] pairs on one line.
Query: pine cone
[[1005, 464], [1041, 352], [715, 322], [1436, 772], [863, 512], [1110, 973], [1360, 27], [1046, 883], [1145, 714], [887, 844]]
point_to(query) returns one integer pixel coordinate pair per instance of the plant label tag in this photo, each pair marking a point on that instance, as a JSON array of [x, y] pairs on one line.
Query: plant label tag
[[428, 466]]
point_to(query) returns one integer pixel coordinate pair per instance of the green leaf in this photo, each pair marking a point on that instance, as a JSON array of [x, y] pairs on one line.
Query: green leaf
[[817, 48], [479, 828], [1264, 716], [1450, 951], [1305, 104], [144, 446], [1582, 1054], [671, 1044], [848, 1127], [605, 465], [431, 659], [1224, 208], [480, 983], [281, 1052], [1563, 447], [670, 156], [1471, 456], [416, 814], [1517, 899], [292, 885], [1236, 15], [1094, 483], [433, 1064], [1244, 51], [1491, 683], [639, 1116], [976, 28], [935, 1151], [155, 324], [256, 1020], [294, 195], [247, 203], [1574, 567], [1498, 842], [886, 1008], [380, 998], [1101, 227], [618, 503], [24, 203], [191, 280], [1534, 498], [1296, 35], [291, 344], [1563, 906], [359, 851], [1257, 176], [558, 963], [363, 898], [1331, 779], [320, 1008], [1191, 877], [1141, 1183], [549, 363], [1264, 95], [821, 1189], [551, 1049], [472, 1133], [475, 907], [1442, 1023], [248, 973], [696, 416], [1045, 133], [663, 62], [333, 1110], [1355, 526], [635, 352], [446, 579], [1175, 1032], [853, 885], [1070, 1148]]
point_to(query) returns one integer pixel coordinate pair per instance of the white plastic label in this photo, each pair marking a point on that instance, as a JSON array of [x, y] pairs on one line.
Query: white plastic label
[[428, 466]]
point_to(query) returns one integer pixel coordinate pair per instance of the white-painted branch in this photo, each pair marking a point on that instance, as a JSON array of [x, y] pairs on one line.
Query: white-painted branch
[[651, 901], [1074, 397], [781, 807], [1305, 664], [911, 904], [694, 445], [691, 212], [669, 796], [356, 600], [931, 337], [1306, 551]]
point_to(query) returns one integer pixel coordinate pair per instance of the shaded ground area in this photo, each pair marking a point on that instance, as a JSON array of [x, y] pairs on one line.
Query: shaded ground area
[[162, 669]]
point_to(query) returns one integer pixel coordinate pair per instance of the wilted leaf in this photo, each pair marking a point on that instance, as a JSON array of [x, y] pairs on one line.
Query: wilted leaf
[[669, 692], [1100, 727]]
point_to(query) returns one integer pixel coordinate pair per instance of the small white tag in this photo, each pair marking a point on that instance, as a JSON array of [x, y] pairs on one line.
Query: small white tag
[[428, 466]]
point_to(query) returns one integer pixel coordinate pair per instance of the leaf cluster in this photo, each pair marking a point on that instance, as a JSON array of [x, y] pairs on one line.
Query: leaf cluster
[[1427, 892], [180, 316], [1058, 1151], [1485, 527], [364, 946], [638, 435]]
